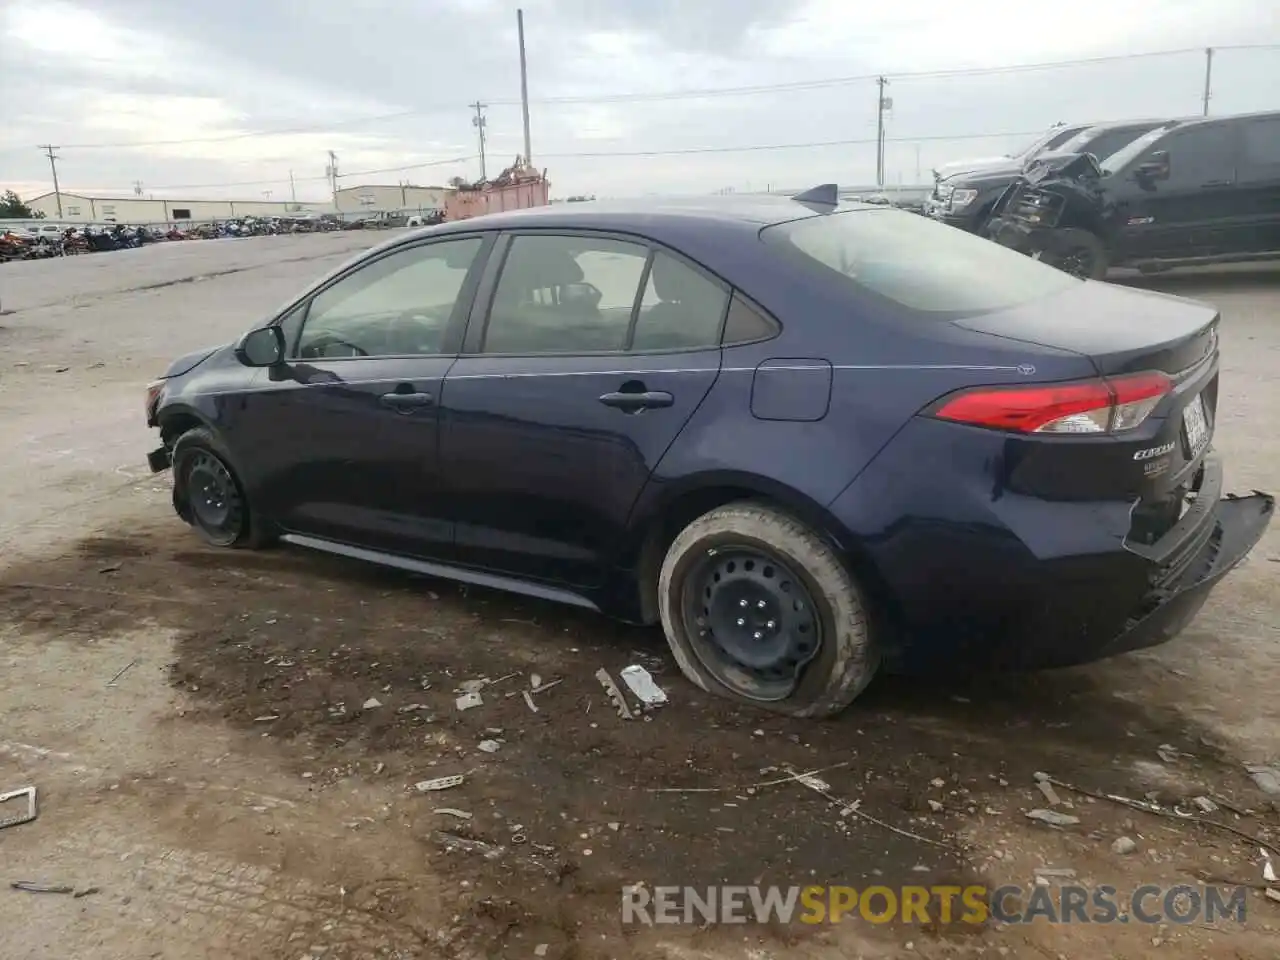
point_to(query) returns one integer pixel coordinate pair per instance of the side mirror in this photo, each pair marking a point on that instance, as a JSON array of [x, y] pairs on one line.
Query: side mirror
[[1155, 168], [261, 348]]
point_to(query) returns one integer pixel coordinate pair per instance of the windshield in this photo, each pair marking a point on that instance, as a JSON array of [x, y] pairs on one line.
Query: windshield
[[1118, 160], [919, 263], [1047, 141]]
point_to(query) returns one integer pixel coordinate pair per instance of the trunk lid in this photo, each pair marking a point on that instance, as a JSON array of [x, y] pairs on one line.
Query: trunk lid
[[1121, 330]]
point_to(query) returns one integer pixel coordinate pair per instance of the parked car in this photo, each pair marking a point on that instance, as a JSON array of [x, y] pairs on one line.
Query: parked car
[[806, 439], [1188, 192], [965, 200], [1051, 139]]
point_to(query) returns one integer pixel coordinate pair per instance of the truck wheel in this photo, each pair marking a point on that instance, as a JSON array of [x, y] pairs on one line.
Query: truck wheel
[[1079, 253], [758, 608], [208, 494]]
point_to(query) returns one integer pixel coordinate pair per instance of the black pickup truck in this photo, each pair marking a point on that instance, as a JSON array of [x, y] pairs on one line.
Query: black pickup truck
[[1185, 193]]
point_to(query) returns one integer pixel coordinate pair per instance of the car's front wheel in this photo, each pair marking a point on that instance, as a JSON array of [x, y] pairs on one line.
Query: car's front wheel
[[209, 495], [758, 608]]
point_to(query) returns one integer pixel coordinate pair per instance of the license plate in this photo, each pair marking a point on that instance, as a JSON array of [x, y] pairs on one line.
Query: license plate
[[1196, 425]]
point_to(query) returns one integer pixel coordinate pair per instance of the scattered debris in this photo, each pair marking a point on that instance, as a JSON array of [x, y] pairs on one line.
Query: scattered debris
[[816, 784], [266, 718], [528, 699], [31, 886], [1053, 818], [125, 669], [539, 688], [452, 842], [86, 892], [540, 950], [1055, 873], [641, 683], [472, 686], [1050, 795], [935, 805], [611, 690], [535, 681], [1205, 804], [469, 700], [1168, 753], [1273, 894], [489, 746], [1123, 846], [452, 812], [371, 704], [820, 787], [379, 767], [110, 568], [937, 782], [1267, 778], [615, 826], [412, 707], [1268, 871], [439, 783], [25, 817]]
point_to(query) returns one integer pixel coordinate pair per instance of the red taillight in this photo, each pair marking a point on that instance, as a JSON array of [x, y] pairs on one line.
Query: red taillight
[[1094, 406]]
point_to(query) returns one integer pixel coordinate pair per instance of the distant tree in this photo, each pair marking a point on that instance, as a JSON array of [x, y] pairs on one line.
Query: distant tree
[[12, 208]]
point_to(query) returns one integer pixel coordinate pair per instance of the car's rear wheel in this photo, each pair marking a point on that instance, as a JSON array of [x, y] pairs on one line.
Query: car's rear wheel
[[758, 608], [209, 495]]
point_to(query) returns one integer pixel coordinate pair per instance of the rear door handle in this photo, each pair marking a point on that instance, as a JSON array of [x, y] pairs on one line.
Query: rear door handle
[[403, 402], [1218, 183], [635, 402]]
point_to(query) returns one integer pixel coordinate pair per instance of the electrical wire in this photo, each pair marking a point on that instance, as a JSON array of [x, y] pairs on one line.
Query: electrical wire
[[681, 94]]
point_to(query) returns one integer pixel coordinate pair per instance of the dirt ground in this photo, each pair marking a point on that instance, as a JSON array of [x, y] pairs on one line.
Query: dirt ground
[[226, 743]]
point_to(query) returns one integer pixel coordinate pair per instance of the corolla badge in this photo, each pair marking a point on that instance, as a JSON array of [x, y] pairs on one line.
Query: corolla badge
[[1152, 452]]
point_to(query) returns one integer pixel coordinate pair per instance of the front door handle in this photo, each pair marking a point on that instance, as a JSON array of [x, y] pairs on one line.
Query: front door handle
[[635, 402], [406, 402]]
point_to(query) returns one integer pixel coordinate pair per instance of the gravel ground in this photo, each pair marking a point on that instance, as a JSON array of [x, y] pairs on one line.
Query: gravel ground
[[236, 793]]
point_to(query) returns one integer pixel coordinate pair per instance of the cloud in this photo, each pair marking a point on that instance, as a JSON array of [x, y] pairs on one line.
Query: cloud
[[387, 84]]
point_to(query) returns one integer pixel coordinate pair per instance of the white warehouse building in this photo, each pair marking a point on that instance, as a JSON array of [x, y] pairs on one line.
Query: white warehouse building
[[83, 208], [391, 198]]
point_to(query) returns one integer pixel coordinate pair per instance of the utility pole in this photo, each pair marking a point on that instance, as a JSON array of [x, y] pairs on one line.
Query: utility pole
[[293, 190], [48, 148], [137, 188], [917, 164], [332, 172], [478, 121], [883, 103], [267, 194], [524, 89], [1208, 76]]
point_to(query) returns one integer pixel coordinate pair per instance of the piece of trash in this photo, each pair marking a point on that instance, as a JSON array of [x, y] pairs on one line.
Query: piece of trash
[[1050, 795], [452, 812], [538, 689], [439, 783], [1267, 778], [123, 671], [1123, 846], [535, 681], [935, 806], [540, 950], [31, 886], [1268, 871], [611, 690], [489, 746], [1168, 753], [469, 700], [813, 783], [937, 782], [86, 892], [411, 707], [472, 686], [1055, 873], [1273, 894], [266, 718], [371, 704], [110, 568], [1205, 804], [615, 826], [640, 682], [379, 767], [27, 815], [1052, 818], [528, 699]]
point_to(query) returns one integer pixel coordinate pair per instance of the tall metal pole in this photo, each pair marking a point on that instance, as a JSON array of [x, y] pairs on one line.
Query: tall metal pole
[[524, 89], [48, 148], [333, 177], [1208, 77], [881, 103], [478, 122], [293, 190]]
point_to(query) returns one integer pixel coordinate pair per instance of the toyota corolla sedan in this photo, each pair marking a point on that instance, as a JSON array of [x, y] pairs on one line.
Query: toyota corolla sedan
[[809, 440]]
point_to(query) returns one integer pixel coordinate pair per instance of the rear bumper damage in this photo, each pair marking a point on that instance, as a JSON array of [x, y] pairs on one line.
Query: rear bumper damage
[[159, 459]]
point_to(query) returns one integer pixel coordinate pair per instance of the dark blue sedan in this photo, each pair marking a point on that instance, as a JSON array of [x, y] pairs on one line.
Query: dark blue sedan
[[808, 439]]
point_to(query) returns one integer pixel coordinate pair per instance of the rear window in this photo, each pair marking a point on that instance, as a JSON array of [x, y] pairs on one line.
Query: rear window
[[919, 263]]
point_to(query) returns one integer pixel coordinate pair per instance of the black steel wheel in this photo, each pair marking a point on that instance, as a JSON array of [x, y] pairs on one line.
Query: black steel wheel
[[757, 607], [1079, 253], [752, 621], [208, 494]]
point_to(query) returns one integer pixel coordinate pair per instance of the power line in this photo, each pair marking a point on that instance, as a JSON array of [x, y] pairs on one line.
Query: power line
[[328, 178], [688, 94]]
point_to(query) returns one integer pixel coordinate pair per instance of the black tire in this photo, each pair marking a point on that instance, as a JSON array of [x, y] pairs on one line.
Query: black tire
[[794, 565], [1079, 253], [208, 494]]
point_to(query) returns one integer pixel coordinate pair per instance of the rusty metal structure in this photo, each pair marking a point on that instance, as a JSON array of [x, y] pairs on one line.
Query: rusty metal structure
[[517, 187]]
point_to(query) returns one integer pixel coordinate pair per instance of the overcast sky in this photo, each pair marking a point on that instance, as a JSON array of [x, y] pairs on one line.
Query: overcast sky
[[386, 84]]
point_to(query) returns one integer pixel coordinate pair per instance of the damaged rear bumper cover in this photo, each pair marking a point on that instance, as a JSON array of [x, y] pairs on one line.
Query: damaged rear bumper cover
[[159, 459], [1220, 532]]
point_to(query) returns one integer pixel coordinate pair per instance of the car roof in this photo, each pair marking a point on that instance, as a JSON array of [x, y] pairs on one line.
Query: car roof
[[647, 215]]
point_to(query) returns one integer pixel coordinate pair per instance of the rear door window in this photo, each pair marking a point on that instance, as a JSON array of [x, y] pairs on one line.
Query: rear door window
[[1260, 150], [1199, 156], [918, 263]]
